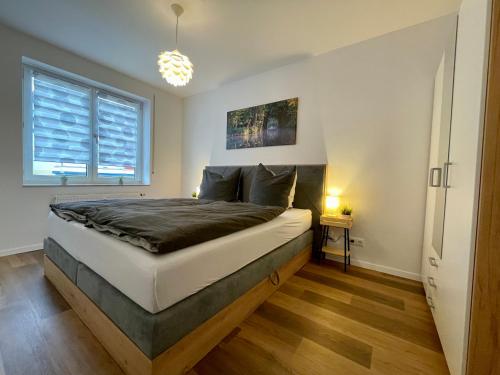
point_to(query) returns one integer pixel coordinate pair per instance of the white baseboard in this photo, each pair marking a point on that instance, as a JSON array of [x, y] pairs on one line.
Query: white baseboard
[[19, 250], [380, 268]]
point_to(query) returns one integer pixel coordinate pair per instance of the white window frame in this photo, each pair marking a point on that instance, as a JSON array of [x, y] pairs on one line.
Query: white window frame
[[142, 171]]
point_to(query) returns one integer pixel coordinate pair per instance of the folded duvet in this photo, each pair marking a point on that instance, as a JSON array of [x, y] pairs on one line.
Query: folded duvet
[[166, 225]]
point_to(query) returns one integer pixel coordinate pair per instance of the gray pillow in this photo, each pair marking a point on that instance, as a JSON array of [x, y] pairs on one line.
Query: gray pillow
[[217, 187], [270, 189]]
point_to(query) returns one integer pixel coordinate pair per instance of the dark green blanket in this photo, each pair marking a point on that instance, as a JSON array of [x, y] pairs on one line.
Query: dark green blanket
[[166, 225]]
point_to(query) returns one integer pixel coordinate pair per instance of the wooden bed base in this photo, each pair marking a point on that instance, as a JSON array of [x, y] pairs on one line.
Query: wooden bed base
[[182, 356]]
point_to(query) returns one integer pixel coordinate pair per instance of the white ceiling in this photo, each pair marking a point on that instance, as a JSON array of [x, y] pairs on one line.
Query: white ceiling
[[225, 39]]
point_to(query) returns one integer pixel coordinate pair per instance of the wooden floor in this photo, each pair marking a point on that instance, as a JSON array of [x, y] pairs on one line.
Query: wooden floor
[[322, 321]]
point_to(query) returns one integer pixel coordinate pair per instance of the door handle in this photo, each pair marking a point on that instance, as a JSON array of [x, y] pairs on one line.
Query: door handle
[[431, 177], [431, 281], [433, 262], [446, 169]]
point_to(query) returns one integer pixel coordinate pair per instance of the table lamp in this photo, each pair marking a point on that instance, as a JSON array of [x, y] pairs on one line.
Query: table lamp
[[332, 204]]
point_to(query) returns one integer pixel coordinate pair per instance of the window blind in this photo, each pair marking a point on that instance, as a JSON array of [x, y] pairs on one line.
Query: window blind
[[61, 121], [117, 126], [78, 131]]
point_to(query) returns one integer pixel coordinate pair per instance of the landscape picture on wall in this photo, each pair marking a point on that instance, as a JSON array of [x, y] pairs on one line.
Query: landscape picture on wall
[[273, 124]]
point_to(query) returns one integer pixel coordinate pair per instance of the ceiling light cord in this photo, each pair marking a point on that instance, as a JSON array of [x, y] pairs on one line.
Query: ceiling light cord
[[176, 33]]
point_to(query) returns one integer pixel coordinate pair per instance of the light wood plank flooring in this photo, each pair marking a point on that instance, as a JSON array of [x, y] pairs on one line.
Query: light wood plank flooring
[[322, 321]]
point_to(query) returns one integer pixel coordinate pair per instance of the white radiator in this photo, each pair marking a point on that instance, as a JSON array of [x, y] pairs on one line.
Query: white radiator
[[62, 198]]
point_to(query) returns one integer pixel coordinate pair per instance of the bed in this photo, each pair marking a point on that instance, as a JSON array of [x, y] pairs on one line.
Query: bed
[[161, 314]]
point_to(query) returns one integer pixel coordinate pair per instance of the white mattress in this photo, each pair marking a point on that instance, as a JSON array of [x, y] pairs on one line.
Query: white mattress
[[157, 282]]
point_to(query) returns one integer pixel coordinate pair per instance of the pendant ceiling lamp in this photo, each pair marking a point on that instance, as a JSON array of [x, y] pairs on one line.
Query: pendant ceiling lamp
[[175, 67]]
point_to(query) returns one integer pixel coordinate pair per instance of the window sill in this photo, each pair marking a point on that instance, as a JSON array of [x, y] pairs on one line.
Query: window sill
[[37, 184]]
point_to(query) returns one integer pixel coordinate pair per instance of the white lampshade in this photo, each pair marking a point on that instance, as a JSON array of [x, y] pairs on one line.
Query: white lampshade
[[332, 202], [175, 68]]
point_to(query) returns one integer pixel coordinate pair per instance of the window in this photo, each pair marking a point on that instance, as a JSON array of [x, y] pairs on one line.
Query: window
[[77, 131]]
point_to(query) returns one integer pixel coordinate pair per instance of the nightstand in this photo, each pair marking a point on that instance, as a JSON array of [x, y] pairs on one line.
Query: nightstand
[[336, 221]]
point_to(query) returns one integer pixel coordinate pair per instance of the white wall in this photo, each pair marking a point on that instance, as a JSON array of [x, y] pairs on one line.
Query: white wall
[[366, 111], [23, 210], [456, 267]]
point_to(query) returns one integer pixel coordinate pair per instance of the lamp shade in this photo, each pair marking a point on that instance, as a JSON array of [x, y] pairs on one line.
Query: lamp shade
[[332, 202], [175, 67]]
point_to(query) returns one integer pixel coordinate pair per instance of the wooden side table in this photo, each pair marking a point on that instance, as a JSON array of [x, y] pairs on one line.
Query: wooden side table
[[337, 221]]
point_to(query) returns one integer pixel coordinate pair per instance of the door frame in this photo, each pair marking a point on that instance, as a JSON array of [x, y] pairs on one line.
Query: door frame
[[484, 346]]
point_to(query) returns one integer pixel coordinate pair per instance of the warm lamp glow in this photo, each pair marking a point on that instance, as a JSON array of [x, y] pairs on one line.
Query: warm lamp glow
[[332, 202], [175, 68], [196, 192]]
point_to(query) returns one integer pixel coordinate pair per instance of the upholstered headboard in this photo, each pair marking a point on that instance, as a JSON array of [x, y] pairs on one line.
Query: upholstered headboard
[[309, 192]]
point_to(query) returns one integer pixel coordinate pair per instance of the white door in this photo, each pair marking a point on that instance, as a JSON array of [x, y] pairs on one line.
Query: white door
[[435, 177], [433, 255], [438, 169]]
